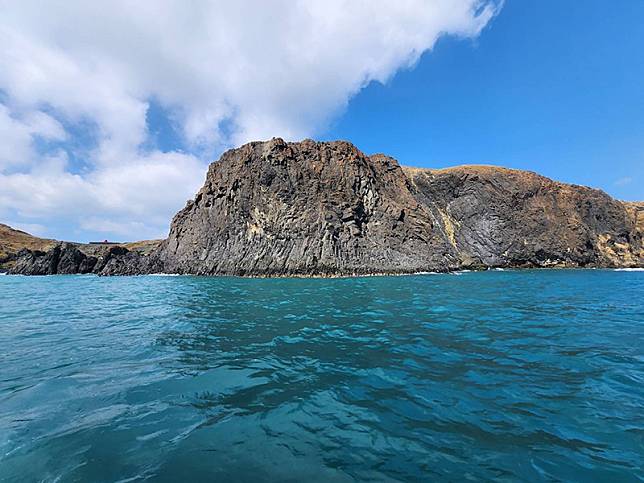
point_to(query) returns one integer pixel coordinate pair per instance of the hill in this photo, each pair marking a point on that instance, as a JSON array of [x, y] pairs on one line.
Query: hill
[[326, 209]]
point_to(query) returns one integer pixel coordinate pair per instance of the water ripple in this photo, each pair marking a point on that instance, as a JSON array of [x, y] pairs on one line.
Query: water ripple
[[503, 375]]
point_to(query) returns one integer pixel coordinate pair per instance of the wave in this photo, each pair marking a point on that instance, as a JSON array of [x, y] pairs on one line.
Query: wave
[[638, 269], [460, 272]]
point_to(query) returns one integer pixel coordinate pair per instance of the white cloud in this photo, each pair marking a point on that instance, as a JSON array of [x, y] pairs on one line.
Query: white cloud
[[18, 136], [626, 180], [142, 193], [225, 72]]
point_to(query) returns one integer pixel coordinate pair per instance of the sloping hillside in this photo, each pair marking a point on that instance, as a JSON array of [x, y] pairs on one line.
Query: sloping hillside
[[12, 241]]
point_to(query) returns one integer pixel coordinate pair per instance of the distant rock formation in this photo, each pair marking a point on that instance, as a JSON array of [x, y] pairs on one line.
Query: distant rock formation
[[68, 258], [507, 218], [60, 258], [324, 209], [12, 241]]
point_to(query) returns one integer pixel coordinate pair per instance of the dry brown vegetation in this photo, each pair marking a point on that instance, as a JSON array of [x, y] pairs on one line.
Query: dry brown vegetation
[[12, 241]]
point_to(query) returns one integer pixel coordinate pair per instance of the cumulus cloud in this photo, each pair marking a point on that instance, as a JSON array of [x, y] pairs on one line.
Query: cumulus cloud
[[20, 133], [223, 73]]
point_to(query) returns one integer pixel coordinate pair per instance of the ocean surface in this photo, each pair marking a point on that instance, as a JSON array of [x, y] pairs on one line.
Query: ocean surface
[[499, 375]]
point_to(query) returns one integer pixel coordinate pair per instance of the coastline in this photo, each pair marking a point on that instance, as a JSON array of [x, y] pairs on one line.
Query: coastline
[[337, 276]]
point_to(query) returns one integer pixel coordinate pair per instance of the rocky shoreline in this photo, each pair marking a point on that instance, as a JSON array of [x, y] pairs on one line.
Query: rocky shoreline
[[326, 209]]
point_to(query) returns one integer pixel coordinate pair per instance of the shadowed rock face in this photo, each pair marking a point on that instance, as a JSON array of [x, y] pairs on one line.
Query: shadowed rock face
[[314, 208], [67, 258], [63, 258]]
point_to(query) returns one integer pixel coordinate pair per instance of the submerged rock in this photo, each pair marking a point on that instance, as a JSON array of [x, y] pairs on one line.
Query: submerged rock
[[324, 208]]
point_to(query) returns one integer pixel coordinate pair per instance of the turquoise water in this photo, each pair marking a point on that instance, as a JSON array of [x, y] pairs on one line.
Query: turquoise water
[[516, 375]]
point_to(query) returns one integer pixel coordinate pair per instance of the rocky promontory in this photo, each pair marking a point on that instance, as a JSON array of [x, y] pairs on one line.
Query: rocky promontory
[[324, 209], [25, 254]]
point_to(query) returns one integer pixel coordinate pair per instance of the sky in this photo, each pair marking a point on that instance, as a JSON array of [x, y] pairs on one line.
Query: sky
[[111, 112]]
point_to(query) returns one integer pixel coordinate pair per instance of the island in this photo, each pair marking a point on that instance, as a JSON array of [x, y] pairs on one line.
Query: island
[[310, 208]]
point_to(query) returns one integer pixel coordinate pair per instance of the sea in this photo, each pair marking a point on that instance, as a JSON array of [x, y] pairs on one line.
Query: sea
[[526, 375]]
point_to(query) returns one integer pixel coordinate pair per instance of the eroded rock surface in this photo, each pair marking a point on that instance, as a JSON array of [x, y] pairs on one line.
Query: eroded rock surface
[[501, 217], [324, 208], [67, 258], [278, 208]]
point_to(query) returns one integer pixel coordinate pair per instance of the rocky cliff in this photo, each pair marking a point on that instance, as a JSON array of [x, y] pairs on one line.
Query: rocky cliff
[[279, 208], [36, 256], [501, 217], [325, 208]]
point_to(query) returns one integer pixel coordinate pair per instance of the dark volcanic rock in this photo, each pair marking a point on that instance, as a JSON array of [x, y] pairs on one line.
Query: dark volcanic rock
[[121, 261], [309, 208], [66, 258], [35, 262], [316, 208], [501, 217]]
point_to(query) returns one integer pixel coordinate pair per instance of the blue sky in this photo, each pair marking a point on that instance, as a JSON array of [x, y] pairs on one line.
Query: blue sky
[[111, 113], [550, 86]]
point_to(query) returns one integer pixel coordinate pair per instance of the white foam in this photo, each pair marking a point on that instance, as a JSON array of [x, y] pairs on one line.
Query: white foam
[[460, 272], [639, 269]]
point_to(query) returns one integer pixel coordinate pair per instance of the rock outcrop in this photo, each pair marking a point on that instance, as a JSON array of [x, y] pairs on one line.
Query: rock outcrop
[[509, 218], [12, 241], [67, 258], [278, 208], [324, 208]]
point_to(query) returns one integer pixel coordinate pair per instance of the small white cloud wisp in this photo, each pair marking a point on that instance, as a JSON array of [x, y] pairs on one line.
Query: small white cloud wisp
[[223, 73]]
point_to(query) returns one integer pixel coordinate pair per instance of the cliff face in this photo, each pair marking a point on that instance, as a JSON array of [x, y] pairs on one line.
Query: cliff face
[[279, 208], [313, 208], [500, 217], [51, 257], [68, 258]]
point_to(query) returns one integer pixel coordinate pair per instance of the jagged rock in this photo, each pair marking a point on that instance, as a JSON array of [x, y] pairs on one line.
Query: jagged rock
[[64, 258], [501, 217], [324, 208], [309, 208], [35, 262], [121, 261], [72, 260]]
